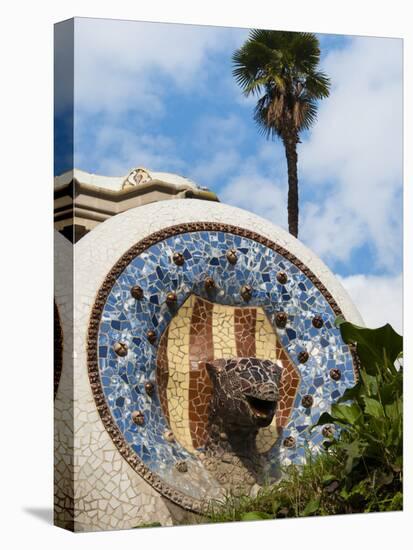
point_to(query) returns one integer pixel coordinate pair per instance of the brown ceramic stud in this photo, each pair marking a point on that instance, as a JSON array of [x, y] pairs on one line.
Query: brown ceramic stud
[[169, 436], [328, 430], [307, 401], [303, 356], [246, 293], [317, 321], [209, 284], [282, 277], [289, 442], [121, 349], [171, 298], [232, 256], [137, 292], [178, 258], [151, 336], [149, 388], [181, 466], [335, 374], [281, 319], [138, 418]]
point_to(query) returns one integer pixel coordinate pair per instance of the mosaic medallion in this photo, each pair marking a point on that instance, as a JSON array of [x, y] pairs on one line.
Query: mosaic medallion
[[202, 294]]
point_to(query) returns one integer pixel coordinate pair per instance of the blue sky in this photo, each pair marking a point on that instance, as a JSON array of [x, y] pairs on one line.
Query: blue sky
[[163, 97]]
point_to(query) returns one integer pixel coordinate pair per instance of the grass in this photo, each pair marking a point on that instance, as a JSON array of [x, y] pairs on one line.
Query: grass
[[318, 488]]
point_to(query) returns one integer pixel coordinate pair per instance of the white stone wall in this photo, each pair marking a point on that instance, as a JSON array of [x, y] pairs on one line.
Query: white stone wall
[[108, 493], [95, 488], [63, 405]]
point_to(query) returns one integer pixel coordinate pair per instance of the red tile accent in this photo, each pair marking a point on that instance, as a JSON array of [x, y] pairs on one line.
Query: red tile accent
[[290, 381], [244, 330], [201, 349]]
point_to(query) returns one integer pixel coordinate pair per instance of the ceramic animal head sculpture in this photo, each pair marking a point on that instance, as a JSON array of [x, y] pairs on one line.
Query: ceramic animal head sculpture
[[245, 392]]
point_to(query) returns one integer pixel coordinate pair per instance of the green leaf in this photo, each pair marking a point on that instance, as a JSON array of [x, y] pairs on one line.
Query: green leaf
[[328, 479], [351, 393], [398, 464], [338, 321], [393, 411], [348, 414], [375, 431], [370, 383], [396, 503], [312, 507], [276, 505], [373, 407], [389, 392], [353, 451], [384, 478], [344, 493], [253, 516], [373, 345]]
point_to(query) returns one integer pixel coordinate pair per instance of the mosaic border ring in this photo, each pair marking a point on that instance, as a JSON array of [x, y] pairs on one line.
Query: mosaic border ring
[[118, 382]]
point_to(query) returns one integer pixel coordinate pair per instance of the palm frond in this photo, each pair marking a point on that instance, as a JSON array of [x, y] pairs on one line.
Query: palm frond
[[305, 51], [248, 63], [305, 113], [317, 84], [283, 66], [267, 124]]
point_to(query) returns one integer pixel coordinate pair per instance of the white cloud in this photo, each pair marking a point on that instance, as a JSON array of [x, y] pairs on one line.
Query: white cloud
[[379, 299], [216, 139], [354, 155], [211, 171], [115, 150], [119, 64], [257, 193], [250, 182]]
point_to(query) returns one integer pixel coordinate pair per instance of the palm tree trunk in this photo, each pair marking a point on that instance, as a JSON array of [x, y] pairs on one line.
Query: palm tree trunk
[[290, 144]]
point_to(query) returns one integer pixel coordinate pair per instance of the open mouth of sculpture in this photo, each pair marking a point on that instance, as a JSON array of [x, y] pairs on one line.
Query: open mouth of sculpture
[[261, 408]]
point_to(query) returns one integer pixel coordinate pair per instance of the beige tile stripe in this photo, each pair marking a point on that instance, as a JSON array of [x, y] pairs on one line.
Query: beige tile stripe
[[178, 383], [223, 332], [265, 338], [266, 348]]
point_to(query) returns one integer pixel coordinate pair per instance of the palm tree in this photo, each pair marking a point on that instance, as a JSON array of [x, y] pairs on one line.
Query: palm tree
[[281, 67]]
